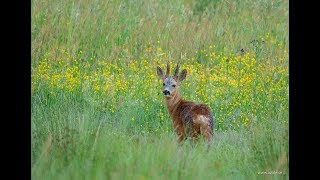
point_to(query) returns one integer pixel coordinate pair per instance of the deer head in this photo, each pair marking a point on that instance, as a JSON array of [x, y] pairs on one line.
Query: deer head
[[171, 83]]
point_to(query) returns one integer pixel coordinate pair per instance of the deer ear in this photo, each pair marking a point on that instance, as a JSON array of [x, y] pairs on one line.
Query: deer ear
[[182, 75], [159, 72]]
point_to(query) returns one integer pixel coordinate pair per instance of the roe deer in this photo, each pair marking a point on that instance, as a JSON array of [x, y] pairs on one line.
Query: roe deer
[[190, 119]]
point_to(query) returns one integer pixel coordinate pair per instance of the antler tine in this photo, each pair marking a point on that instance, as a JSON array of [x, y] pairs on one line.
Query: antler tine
[[177, 70], [168, 68]]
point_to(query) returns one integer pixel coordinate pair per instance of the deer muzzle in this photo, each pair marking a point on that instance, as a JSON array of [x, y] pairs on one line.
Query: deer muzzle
[[166, 92]]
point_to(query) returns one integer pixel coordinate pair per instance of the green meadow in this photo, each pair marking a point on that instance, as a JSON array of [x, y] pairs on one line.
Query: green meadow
[[97, 109]]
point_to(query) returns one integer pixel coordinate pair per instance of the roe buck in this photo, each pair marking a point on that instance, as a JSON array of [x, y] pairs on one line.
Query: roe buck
[[190, 119]]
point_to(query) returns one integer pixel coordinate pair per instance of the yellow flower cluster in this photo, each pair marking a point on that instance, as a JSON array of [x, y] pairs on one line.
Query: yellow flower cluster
[[237, 87]]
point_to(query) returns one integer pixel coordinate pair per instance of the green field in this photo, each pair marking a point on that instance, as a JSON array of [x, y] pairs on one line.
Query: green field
[[96, 102]]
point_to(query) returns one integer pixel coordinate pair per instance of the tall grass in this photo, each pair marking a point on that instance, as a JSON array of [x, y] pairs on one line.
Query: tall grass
[[97, 108]]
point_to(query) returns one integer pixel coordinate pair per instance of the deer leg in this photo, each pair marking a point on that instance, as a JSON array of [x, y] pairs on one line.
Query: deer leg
[[181, 134], [194, 133], [205, 128], [206, 132]]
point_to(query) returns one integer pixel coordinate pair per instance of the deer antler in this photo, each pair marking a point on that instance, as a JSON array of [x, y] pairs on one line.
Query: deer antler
[[177, 70], [168, 68]]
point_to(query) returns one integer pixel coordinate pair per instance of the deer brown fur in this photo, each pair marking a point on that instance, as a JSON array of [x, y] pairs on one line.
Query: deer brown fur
[[190, 119]]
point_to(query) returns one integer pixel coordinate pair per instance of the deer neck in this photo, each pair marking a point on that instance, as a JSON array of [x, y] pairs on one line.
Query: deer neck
[[173, 103]]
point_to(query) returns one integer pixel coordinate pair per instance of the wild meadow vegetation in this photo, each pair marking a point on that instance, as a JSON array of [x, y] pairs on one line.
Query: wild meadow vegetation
[[97, 106]]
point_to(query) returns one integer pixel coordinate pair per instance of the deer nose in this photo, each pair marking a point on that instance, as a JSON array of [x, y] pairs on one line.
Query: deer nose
[[166, 92]]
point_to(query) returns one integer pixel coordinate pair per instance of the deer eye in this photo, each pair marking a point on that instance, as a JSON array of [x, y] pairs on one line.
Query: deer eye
[[163, 84], [173, 85]]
